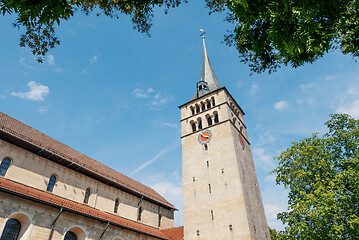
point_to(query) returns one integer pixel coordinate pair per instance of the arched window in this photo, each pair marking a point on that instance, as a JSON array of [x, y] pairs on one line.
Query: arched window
[[208, 104], [203, 107], [192, 110], [87, 195], [213, 102], [199, 120], [11, 230], [139, 214], [70, 236], [197, 109], [193, 125], [4, 166], [216, 119], [51, 184], [117, 202], [209, 120]]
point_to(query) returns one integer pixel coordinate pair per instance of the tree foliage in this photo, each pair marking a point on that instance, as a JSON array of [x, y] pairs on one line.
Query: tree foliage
[[272, 33], [322, 174], [40, 17]]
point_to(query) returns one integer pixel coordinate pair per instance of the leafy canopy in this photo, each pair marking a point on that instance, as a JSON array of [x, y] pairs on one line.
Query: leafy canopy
[[39, 17], [322, 174], [272, 33]]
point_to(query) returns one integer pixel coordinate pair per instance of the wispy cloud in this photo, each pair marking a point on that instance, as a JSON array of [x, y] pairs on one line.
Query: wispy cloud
[[351, 109], [51, 60], [160, 154], [22, 61], [161, 123], [281, 105], [331, 77], [307, 86], [253, 89], [94, 59], [37, 92], [266, 159], [155, 100], [43, 109]]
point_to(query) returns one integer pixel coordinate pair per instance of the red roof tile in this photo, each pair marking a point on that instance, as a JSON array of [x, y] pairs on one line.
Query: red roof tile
[[174, 233], [82, 209], [23, 132]]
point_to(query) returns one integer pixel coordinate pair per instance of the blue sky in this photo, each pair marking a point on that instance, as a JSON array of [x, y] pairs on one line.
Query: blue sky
[[113, 94]]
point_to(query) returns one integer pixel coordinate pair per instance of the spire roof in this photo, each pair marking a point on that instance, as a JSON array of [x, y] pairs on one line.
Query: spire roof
[[207, 73], [208, 81]]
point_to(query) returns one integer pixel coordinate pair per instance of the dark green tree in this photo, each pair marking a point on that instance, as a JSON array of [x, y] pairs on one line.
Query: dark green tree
[[272, 33], [39, 17], [322, 175]]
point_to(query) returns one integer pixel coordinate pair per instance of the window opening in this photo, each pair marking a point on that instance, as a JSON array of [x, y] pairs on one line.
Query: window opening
[[159, 220], [216, 119], [51, 184], [213, 102], [209, 121], [194, 179], [11, 230], [203, 107], [70, 236], [199, 123], [207, 164], [205, 147], [5, 164], [192, 110], [193, 127], [208, 104], [197, 109], [139, 215], [209, 188], [212, 215], [117, 202], [87, 195]]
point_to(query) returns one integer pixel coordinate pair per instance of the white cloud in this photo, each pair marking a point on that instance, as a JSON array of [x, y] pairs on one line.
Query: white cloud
[[51, 60], [331, 77], [155, 101], [160, 154], [37, 92], [43, 109], [253, 89], [93, 59], [351, 109], [22, 61], [165, 124], [263, 159], [281, 105], [306, 86]]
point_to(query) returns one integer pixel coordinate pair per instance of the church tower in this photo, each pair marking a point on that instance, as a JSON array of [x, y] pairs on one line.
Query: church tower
[[221, 198]]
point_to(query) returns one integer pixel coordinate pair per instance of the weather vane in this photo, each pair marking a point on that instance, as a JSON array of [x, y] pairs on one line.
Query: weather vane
[[203, 33]]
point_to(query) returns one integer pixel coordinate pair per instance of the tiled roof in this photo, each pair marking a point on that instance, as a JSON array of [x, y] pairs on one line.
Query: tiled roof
[[71, 206], [174, 233], [21, 132]]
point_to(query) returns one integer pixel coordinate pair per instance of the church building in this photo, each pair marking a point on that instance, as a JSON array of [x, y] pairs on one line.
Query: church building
[[50, 191]]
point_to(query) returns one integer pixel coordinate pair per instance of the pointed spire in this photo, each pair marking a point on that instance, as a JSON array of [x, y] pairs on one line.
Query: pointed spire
[[208, 81], [207, 73]]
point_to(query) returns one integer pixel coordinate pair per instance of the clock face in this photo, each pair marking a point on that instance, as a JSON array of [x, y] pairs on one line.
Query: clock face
[[241, 140], [204, 136]]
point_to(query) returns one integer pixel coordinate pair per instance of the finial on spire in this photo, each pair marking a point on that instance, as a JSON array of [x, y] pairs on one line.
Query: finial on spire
[[202, 34]]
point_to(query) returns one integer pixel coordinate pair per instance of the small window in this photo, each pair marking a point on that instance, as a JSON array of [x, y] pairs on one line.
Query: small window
[[192, 110], [139, 214], [11, 230], [216, 119], [87, 195], [159, 220], [208, 104], [193, 125], [51, 184], [205, 147], [203, 107], [209, 188], [70, 236], [117, 202], [212, 215], [209, 121], [199, 123], [213, 102], [4, 166], [197, 109]]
